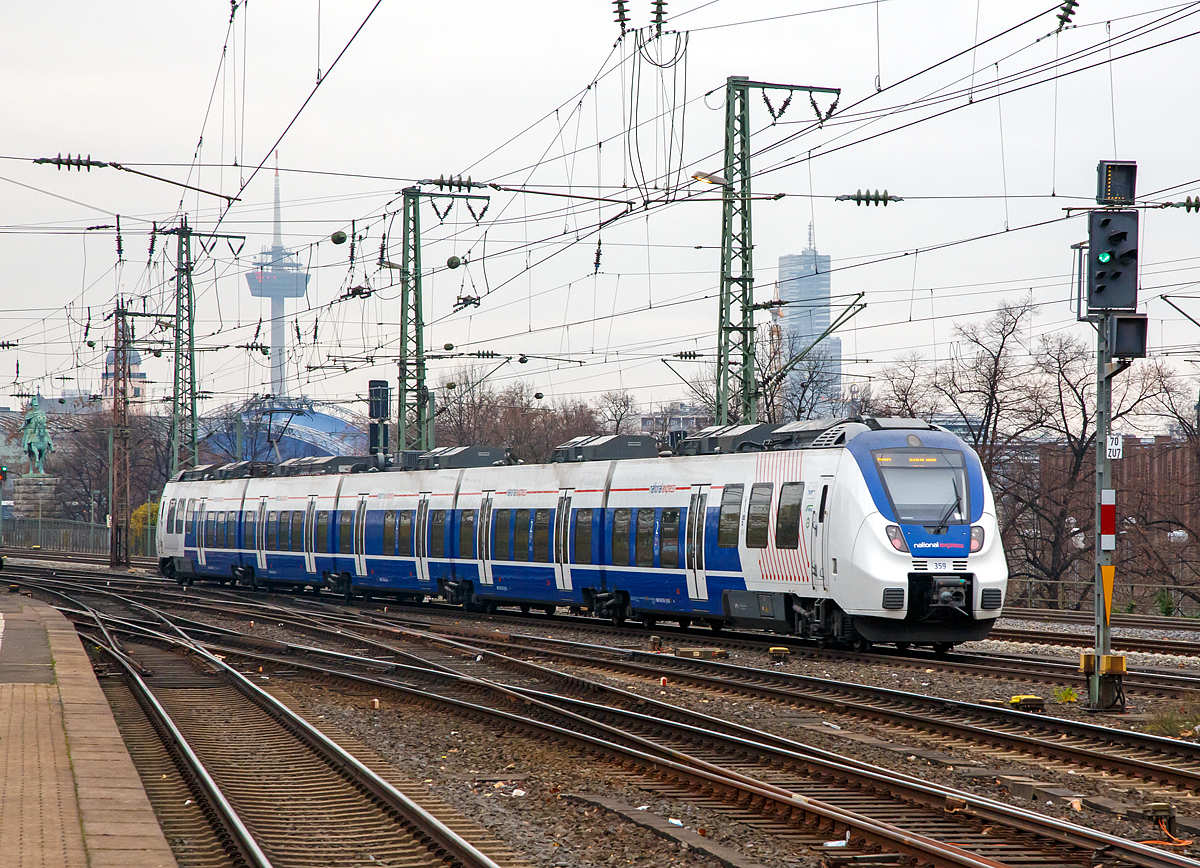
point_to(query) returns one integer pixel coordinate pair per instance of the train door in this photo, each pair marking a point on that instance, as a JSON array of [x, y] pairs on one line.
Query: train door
[[201, 539], [694, 543], [815, 514], [360, 536], [260, 534], [562, 540], [483, 539], [421, 532], [310, 522]]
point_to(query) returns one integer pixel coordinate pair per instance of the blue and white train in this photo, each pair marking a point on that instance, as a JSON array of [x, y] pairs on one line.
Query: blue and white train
[[851, 532]]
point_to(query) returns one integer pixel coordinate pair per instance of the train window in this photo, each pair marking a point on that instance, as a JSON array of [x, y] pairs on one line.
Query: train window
[[521, 535], [298, 530], [210, 530], [191, 511], [272, 531], [644, 541], [787, 519], [404, 533], [171, 517], [500, 535], [758, 515], [389, 532], [466, 534], [322, 531], [231, 522], [668, 540], [620, 538], [219, 535], [346, 531], [541, 536], [437, 533], [731, 516], [248, 530], [285, 530], [583, 536]]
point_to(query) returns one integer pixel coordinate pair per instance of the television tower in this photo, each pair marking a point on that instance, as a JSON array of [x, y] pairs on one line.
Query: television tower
[[277, 275]]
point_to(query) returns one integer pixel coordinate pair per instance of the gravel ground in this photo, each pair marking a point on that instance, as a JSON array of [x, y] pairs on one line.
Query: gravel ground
[[527, 808], [517, 788], [444, 759]]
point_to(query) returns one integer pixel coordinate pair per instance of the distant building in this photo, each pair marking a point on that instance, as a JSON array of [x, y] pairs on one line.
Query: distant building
[[137, 377], [676, 416], [804, 288]]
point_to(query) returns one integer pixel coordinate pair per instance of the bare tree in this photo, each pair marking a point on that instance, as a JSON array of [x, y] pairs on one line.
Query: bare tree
[[467, 414], [988, 389], [1045, 483], [618, 412], [906, 388]]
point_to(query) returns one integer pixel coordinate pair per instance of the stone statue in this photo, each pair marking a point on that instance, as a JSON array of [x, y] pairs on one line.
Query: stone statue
[[35, 438]]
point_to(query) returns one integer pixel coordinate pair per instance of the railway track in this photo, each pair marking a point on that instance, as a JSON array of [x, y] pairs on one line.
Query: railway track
[[266, 788], [477, 665], [33, 554], [1034, 670], [1145, 645], [1119, 619]]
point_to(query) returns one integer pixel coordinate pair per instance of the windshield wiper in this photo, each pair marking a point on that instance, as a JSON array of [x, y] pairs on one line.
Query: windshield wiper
[[955, 504]]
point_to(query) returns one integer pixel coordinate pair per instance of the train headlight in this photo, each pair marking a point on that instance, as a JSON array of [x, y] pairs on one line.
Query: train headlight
[[896, 538], [976, 538]]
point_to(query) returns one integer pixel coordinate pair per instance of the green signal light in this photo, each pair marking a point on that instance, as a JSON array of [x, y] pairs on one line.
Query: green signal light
[[1105, 257]]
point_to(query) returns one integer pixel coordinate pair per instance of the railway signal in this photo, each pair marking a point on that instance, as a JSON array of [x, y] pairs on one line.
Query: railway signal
[[1112, 260]]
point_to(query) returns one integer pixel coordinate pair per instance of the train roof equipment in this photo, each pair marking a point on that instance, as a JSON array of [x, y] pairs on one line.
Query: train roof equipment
[[727, 439], [454, 457], [318, 465], [606, 447], [824, 433]]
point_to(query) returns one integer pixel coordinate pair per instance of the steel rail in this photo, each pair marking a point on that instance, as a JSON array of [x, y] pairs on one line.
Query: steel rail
[[757, 743]]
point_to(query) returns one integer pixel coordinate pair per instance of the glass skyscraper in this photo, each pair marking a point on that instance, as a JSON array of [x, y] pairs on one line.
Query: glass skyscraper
[[804, 287]]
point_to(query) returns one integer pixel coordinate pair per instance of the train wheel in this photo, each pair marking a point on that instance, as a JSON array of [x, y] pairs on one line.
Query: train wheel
[[715, 625], [549, 610], [942, 647], [861, 644], [490, 608], [684, 623], [648, 622], [902, 646], [524, 608], [618, 619]]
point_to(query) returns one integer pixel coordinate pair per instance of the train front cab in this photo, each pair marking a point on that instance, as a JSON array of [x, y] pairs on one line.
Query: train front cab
[[926, 562]]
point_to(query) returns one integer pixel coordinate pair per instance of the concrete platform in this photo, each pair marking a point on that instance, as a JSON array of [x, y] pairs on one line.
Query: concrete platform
[[69, 793]]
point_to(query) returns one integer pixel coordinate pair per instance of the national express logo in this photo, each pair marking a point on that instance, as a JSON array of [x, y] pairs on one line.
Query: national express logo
[[933, 545]]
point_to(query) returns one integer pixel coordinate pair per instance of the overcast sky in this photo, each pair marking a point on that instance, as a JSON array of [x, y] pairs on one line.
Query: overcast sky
[[543, 95]]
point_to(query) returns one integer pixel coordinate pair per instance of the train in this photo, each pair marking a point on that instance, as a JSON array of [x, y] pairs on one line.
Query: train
[[850, 532]]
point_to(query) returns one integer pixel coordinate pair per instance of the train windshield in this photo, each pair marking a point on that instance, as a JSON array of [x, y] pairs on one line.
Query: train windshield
[[925, 486]]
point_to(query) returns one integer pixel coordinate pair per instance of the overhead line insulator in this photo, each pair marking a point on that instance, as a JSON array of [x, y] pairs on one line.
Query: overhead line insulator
[[860, 197], [1065, 12]]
